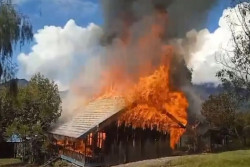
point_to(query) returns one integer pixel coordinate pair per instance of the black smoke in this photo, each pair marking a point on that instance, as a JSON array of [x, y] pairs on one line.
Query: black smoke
[[182, 15]]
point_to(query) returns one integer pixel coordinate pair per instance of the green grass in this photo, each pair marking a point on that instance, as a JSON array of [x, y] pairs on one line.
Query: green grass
[[228, 159], [239, 158], [10, 162]]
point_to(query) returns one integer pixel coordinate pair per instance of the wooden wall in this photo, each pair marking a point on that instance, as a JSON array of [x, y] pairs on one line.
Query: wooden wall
[[7, 150], [125, 144]]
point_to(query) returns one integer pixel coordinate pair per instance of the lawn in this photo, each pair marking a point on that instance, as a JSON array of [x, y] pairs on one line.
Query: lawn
[[239, 158], [10, 162], [228, 159]]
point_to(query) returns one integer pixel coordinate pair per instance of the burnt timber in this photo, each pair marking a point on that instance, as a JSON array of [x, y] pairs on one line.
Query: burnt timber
[[92, 137]]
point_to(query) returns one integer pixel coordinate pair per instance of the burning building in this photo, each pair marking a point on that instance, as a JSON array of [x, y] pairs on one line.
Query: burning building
[[94, 138], [140, 105], [145, 123]]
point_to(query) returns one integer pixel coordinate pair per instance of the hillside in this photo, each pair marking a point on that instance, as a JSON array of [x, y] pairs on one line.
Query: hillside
[[20, 82], [207, 89]]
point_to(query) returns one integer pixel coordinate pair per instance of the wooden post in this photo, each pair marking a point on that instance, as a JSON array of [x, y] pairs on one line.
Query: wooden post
[[85, 145], [142, 143], [23, 144], [126, 146], [210, 140], [180, 145], [14, 150], [140, 138], [157, 144], [64, 144]]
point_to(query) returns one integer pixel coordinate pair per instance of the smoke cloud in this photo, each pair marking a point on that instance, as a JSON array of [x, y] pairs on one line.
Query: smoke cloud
[[135, 17], [184, 15], [123, 46], [70, 56]]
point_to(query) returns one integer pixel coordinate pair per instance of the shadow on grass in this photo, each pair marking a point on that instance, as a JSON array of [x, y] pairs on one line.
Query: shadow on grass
[[19, 165], [15, 165]]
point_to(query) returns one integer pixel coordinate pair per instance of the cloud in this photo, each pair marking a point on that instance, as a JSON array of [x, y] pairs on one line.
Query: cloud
[[62, 53], [203, 60], [201, 49]]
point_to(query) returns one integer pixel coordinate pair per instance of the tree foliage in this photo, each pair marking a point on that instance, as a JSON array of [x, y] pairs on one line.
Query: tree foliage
[[7, 110], [39, 102], [15, 29], [236, 62], [31, 113], [220, 110], [242, 123]]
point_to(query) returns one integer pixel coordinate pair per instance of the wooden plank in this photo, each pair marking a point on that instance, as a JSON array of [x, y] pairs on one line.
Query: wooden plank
[[73, 161]]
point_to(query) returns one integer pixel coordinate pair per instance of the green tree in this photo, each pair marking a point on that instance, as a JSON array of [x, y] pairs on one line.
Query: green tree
[[38, 106], [7, 110], [220, 110], [15, 29], [242, 123], [236, 62]]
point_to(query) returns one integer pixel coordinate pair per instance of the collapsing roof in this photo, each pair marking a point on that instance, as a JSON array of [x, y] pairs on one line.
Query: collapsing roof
[[91, 116]]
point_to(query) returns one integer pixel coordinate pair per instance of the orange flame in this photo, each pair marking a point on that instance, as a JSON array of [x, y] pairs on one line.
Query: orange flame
[[146, 83], [154, 102], [78, 146]]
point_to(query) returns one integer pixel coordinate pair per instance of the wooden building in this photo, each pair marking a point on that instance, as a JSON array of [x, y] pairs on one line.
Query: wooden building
[[217, 138], [92, 137], [11, 148]]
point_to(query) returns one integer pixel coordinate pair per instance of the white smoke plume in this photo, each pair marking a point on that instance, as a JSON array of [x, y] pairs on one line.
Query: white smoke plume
[[202, 50], [75, 57], [70, 56]]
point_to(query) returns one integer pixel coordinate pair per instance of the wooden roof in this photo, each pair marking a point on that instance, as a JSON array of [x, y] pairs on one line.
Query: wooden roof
[[91, 116]]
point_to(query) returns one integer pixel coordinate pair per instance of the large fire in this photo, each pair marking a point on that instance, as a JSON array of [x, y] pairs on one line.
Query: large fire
[[154, 102], [156, 106]]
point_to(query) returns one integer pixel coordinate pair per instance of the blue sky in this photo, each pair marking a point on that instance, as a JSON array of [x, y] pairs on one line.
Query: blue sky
[[215, 14], [58, 12], [47, 12]]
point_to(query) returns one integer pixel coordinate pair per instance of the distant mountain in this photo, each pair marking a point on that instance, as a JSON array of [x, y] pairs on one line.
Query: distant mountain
[[207, 89], [63, 94], [20, 82], [203, 90]]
